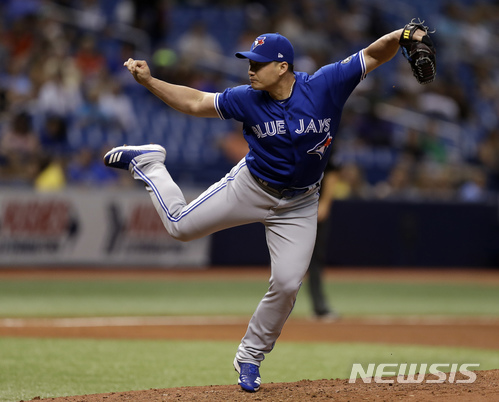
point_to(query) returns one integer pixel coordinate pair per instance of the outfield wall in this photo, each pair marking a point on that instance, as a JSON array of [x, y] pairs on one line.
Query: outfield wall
[[117, 228], [90, 227], [386, 234]]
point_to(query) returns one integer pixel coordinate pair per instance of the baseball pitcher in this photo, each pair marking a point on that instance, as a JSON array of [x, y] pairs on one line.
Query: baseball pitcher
[[289, 121]]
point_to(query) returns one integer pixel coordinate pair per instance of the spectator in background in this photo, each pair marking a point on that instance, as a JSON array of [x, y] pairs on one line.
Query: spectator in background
[[59, 97], [19, 150], [197, 45], [398, 185], [54, 136], [56, 150], [86, 170], [90, 113], [88, 59], [435, 181], [21, 38], [18, 85], [412, 150], [151, 16], [433, 145], [117, 107], [374, 131], [91, 15], [51, 175], [488, 155], [474, 188], [438, 102], [352, 183]]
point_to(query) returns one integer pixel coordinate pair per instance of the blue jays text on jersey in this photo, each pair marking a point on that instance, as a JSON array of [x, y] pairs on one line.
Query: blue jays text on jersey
[[289, 139], [279, 127]]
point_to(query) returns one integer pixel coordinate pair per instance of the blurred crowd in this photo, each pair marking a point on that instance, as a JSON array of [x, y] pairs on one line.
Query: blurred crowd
[[61, 71]]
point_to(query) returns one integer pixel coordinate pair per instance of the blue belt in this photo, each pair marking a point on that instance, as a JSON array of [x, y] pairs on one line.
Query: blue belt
[[283, 192]]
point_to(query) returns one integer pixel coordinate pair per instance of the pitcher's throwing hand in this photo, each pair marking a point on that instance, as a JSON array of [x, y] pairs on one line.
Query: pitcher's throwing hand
[[139, 69]]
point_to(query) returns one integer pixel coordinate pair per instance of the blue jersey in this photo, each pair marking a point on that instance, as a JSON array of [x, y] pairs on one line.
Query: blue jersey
[[289, 141]]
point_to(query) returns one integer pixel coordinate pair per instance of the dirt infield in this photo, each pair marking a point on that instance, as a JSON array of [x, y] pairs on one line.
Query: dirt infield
[[469, 332], [476, 333]]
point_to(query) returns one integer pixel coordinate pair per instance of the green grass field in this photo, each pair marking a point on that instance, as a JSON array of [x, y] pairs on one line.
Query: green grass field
[[33, 367], [65, 298], [60, 367]]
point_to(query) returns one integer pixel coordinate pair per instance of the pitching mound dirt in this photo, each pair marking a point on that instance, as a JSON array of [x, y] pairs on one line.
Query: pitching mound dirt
[[485, 388]]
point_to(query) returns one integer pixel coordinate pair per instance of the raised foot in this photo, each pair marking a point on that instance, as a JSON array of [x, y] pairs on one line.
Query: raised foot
[[124, 157]]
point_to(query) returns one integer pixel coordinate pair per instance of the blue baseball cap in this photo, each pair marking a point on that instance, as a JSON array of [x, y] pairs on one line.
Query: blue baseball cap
[[269, 47]]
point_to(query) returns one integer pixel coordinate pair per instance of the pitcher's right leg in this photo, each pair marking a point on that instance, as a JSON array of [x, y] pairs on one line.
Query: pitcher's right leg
[[234, 200]]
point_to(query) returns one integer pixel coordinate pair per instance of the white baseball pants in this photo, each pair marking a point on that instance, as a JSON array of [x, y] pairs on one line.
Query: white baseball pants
[[237, 199]]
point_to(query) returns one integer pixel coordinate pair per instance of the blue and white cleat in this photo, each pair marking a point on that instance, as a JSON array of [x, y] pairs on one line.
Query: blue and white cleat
[[126, 157], [249, 376]]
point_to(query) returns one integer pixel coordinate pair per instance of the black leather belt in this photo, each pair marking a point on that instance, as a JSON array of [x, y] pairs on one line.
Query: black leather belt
[[283, 192]]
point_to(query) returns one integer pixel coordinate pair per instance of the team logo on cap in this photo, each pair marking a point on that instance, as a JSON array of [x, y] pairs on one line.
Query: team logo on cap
[[321, 148], [259, 41]]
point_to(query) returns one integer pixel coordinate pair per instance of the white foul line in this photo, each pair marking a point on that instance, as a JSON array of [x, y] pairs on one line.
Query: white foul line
[[82, 322], [117, 321]]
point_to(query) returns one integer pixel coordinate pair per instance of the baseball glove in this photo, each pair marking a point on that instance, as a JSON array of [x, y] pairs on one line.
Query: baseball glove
[[420, 55]]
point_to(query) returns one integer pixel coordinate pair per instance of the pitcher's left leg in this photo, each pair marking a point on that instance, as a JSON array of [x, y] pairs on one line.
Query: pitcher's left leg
[[290, 238]]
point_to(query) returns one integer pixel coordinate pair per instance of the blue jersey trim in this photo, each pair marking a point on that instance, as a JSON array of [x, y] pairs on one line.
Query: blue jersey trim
[[194, 204], [362, 64], [217, 106]]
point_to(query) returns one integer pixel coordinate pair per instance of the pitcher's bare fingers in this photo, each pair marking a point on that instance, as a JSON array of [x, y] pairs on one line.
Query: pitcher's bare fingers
[[130, 64]]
